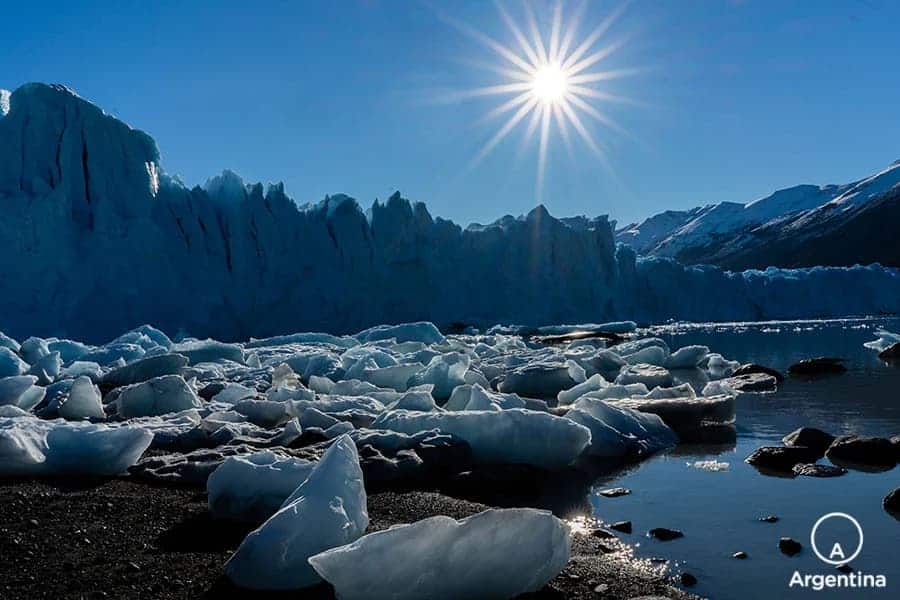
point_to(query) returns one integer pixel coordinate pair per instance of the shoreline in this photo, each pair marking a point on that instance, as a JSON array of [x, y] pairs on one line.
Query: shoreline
[[118, 538]]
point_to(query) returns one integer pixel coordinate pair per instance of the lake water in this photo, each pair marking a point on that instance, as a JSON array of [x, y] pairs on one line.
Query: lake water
[[718, 510]]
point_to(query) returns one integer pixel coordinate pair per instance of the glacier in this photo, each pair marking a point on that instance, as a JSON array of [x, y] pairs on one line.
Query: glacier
[[99, 238]]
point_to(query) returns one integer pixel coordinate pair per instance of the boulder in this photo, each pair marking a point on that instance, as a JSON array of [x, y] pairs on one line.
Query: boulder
[[789, 546], [749, 368], [810, 437], [664, 534], [891, 353], [854, 450], [822, 365], [814, 470], [780, 458], [891, 502]]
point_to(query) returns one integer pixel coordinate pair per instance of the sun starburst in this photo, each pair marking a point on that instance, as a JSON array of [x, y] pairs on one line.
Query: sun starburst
[[550, 77]]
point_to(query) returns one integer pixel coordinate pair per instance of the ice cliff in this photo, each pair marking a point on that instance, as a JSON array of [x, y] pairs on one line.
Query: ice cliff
[[98, 238]]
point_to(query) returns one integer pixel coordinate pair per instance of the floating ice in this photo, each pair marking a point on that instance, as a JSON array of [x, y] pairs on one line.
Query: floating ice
[[325, 511], [650, 375], [885, 340], [507, 436], [496, 554], [617, 431], [688, 357]]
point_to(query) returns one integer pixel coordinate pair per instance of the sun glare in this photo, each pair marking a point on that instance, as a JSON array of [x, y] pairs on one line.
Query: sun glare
[[550, 84], [550, 74]]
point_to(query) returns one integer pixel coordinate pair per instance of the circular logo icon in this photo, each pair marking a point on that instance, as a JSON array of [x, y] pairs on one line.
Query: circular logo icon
[[837, 555]]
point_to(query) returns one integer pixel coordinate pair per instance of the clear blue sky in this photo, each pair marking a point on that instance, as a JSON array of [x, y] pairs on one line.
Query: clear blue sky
[[743, 97]]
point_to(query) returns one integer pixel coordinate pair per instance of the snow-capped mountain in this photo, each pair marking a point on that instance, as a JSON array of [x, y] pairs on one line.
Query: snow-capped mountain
[[97, 238], [801, 226]]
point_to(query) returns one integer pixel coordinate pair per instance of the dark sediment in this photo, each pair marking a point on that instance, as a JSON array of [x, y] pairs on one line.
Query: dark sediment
[[124, 539]]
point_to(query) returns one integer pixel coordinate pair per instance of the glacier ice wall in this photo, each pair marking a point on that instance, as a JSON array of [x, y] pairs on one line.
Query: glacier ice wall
[[97, 238]]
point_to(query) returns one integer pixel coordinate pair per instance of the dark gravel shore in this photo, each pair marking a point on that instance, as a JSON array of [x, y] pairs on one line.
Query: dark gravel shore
[[123, 539]]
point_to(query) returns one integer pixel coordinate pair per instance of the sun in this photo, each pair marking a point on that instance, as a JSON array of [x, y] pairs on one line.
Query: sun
[[550, 76], [550, 84]]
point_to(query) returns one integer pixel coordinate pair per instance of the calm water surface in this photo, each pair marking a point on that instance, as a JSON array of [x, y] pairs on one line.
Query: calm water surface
[[718, 510]]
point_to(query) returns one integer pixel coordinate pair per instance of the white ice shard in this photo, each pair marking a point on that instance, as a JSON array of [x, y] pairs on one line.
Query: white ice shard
[[688, 357], [47, 368], [496, 554], [422, 331], [325, 511], [83, 401], [618, 431], [884, 341], [253, 487], [650, 375], [507, 436], [591, 384], [21, 391], [10, 363], [444, 372], [31, 447], [158, 396]]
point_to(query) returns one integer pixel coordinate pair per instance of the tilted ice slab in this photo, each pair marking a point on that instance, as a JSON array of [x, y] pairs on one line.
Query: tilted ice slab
[[496, 554], [506, 436], [253, 487], [158, 396], [620, 431], [33, 447], [325, 511]]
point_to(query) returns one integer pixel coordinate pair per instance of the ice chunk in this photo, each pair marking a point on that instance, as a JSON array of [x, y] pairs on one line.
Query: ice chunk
[[158, 396], [395, 377], [682, 414], [233, 393], [8, 342], [617, 431], [32, 447], [145, 368], [83, 402], [540, 380], [69, 350], [415, 400], [253, 487], [47, 368], [326, 511], [719, 367], [593, 383], [614, 391], [650, 375], [33, 349], [687, 357], [508, 436], [885, 340], [679, 391], [476, 397], [422, 331], [651, 355], [265, 413], [83, 368], [200, 351], [499, 553], [444, 372], [20, 391], [10, 364]]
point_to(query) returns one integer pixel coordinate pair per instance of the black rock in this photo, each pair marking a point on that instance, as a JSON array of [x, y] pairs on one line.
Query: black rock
[[895, 442], [623, 526], [814, 470], [688, 579], [769, 519], [812, 438], [752, 382], [818, 366], [789, 546], [614, 492], [891, 353], [854, 450], [739, 554], [891, 502], [781, 458], [603, 534], [755, 368], [665, 535]]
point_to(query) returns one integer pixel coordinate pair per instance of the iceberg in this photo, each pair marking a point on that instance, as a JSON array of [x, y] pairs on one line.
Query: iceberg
[[506, 436], [325, 511], [496, 554]]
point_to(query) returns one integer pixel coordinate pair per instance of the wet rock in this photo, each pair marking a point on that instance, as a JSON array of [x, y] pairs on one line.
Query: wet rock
[[891, 502], [789, 546], [853, 450], [749, 368], [810, 437], [688, 580], [623, 526], [740, 554], [895, 442], [664, 534], [822, 365], [891, 353], [779, 458], [752, 382], [769, 519], [814, 470], [614, 492], [603, 534]]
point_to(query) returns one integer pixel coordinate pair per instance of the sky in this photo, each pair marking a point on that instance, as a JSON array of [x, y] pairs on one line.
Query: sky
[[728, 100]]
